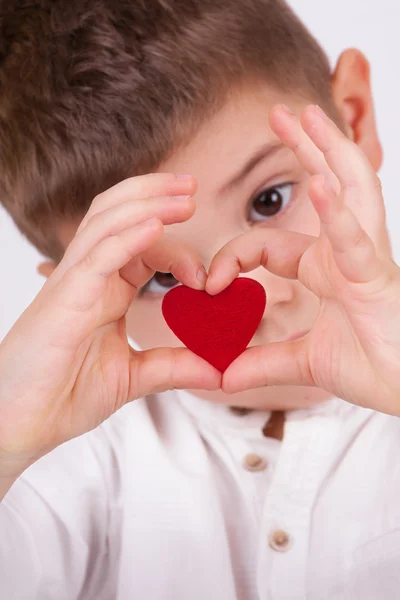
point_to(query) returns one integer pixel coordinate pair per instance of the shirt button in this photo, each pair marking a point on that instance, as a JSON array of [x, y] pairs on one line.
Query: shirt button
[[253, 462], [280, 541]]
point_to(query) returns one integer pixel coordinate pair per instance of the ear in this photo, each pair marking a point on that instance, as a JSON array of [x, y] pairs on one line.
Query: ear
[[351, 87], [46, 268]]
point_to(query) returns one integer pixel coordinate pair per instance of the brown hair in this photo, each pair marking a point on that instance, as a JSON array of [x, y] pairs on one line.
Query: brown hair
[[95, 91]]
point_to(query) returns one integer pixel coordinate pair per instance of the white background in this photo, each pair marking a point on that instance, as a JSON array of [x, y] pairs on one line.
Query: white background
[[366, 24]]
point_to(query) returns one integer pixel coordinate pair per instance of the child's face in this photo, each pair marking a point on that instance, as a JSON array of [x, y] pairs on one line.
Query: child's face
[[246, 179]]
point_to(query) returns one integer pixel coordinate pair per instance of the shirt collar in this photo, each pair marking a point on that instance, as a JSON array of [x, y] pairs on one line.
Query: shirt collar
[[219, 416]]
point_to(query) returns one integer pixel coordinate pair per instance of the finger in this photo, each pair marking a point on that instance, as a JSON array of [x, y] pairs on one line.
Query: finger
[[162, 369], [278, 251], [345, 158], [124, 216], [281, 363], [91, 274], [167, 256], [85, 291], [143, 186], [286, 125], [353, 250]]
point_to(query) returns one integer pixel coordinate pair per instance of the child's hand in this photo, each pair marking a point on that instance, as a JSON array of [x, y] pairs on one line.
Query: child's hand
[[66, 365], [353, 350]]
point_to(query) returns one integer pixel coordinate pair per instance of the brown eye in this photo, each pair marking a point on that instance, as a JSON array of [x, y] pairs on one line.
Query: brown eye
[[160, 283], [270, 202], [166, 280]]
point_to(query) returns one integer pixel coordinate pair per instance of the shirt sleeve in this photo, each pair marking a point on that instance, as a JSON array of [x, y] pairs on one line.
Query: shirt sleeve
[[55, 525]]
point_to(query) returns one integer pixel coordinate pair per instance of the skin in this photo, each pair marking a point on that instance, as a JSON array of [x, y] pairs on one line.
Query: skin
[[325, 262], [214, 156]]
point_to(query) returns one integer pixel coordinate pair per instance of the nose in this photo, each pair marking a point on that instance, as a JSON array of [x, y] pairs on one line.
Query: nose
[[280, 291]]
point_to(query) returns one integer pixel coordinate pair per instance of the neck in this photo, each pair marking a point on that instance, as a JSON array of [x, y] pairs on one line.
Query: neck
[[274, 427]]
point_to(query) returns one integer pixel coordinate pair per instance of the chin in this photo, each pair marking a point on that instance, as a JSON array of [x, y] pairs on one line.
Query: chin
[[272, 398]]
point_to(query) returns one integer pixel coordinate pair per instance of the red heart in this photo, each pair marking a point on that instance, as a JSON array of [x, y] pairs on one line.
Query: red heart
[[217, 328]]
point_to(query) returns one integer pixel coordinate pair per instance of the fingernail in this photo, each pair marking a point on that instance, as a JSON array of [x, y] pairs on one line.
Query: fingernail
[[183, 176], [202, 276], [181, 198], [287, 110], [319, 112]]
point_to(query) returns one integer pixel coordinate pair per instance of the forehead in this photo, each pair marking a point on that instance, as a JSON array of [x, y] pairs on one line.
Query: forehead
[[226, 140]]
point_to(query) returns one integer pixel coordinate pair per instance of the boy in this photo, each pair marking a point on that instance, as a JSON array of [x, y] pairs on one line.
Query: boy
[[176, 495]]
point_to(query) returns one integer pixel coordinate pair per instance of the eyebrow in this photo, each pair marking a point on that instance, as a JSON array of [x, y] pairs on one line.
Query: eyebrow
[[265, 151]]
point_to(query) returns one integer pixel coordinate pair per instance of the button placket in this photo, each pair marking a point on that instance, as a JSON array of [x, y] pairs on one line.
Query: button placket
[[288, 506], [253, 469]]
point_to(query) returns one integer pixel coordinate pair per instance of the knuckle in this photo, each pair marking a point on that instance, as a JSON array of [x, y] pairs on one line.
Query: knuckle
[[98, 201], [94, 219], [142, 184], [117, 243], [83, 223], [360, 238], [93, 211], [90, 220], [70, 284], [377, 183], [87, 263]]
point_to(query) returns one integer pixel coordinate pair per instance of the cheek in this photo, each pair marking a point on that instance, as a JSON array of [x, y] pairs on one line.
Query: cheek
[[141, 313]]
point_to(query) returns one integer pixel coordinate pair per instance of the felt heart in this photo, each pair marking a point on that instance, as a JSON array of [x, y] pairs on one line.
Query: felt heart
[[217, 328]]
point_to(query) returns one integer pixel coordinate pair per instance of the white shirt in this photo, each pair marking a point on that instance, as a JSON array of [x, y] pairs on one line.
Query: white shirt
[[158, 504]]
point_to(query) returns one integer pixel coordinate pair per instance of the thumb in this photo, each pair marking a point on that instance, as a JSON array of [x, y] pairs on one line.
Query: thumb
[[162, 369], [281, 363]]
